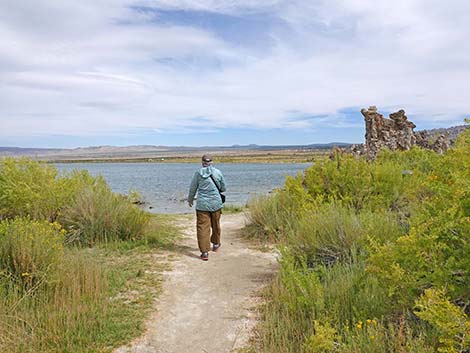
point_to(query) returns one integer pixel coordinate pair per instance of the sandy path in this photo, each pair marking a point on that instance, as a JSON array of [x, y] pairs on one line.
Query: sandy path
[[206, 307]]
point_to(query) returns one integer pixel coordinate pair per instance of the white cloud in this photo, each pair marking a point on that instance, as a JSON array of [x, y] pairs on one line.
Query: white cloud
[[219, 6], [87, 67]]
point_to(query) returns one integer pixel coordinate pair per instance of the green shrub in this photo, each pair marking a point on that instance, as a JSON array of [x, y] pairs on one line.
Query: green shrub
[[434, 252], [384, 184], [303, 301], [450, 321], [294, 300], [270, 217], [98, 215], [28, 188], [351, 295], [29, 250], [85, 205], [332, 232], [33, 189], [323, 340]]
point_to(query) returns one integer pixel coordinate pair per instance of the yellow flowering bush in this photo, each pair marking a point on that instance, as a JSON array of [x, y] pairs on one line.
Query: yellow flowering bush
[[29, 250], [37, 190], [324, 340], [28, 188], [450, 321]]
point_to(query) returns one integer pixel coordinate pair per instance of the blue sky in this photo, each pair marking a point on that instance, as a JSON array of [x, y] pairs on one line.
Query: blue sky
[[210, 72]]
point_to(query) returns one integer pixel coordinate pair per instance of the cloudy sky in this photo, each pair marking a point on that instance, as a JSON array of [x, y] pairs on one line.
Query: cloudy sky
[[222, 72]]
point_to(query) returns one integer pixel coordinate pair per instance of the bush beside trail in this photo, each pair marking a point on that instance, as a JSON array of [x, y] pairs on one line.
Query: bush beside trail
[[374, 255], [70, 248], [84, 205]]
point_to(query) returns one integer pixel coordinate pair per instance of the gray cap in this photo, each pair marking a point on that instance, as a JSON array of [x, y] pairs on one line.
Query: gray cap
[[206, 158]]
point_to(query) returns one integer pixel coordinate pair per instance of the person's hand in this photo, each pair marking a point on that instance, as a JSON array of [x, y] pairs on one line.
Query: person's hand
[[190, 204]]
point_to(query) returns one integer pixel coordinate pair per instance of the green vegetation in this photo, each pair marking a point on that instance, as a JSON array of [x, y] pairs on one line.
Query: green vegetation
[[77, 271], [97, 215], [374, 255]]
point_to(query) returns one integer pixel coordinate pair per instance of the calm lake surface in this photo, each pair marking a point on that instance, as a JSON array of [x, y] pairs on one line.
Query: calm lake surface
[[164, 186]]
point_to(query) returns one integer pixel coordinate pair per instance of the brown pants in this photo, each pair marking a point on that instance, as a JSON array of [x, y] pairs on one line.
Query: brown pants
[[204, 223]]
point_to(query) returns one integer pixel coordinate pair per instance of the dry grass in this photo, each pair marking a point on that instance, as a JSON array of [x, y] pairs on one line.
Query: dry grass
[[60, 313]]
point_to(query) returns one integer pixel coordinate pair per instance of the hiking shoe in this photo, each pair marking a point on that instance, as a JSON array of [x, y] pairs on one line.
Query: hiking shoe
[[204, 256], [216, 247]]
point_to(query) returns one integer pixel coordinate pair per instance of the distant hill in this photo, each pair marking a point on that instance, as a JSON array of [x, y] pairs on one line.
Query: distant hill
[[452, 131], [29, 152], [18, 151], [149, 151]]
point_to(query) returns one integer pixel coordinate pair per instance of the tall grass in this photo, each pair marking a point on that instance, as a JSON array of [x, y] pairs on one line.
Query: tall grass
[[271, 218], [29, 250], [62, 314], [98, 215], [49, 296], [305, 313]]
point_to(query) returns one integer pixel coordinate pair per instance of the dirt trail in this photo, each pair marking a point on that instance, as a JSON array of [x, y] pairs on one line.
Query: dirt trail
[[207, 307]]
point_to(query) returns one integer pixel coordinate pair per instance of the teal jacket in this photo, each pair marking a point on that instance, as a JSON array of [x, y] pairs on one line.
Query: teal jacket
[[208, 198]]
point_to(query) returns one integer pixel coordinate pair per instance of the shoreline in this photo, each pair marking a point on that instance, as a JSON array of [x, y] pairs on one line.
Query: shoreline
[[298, 157], [252, 156]]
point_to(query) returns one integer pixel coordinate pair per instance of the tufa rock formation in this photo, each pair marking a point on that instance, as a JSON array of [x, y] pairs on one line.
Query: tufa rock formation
[[395, 133], [439, 143]]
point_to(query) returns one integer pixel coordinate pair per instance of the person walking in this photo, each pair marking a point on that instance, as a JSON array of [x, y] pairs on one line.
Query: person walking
[[209, 183]]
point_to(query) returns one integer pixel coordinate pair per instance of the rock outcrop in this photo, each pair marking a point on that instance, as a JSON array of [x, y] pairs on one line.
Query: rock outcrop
[[436, 142], [396, 133]]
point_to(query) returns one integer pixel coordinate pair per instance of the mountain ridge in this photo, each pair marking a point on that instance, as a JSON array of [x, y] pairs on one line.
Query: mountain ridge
[[108, 149]]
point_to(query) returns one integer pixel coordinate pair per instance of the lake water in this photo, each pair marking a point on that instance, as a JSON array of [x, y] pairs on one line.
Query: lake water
[[164, 186]]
